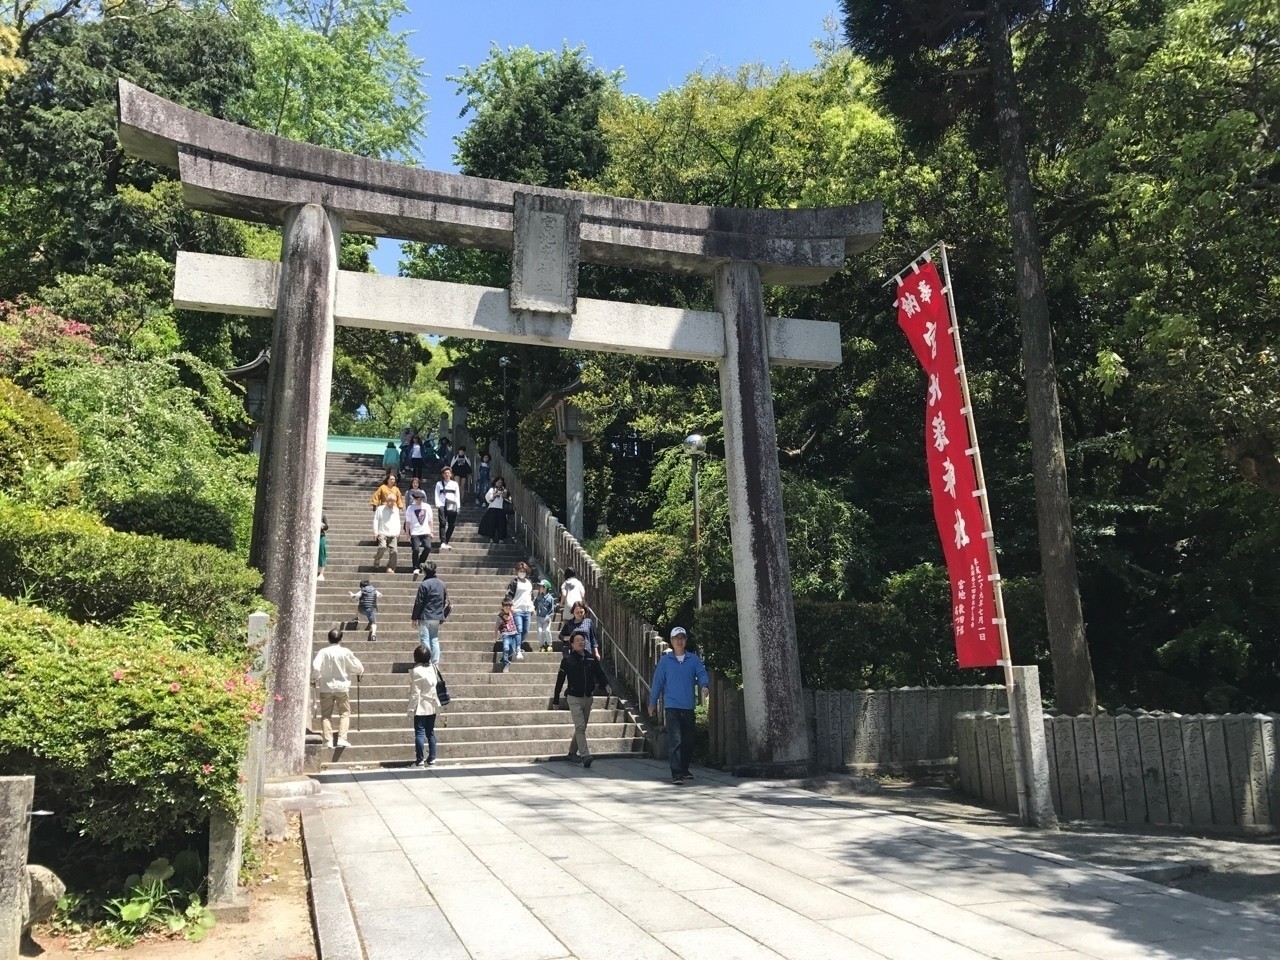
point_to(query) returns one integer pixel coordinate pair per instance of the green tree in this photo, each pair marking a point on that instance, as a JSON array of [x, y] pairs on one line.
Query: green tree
[[959, 54], [334, 73]]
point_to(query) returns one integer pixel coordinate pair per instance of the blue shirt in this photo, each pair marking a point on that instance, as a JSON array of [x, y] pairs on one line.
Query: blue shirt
[[674, 681]]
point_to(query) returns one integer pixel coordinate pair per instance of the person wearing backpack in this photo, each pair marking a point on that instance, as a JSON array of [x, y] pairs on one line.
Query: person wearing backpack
[[424, 705], [367, 606]]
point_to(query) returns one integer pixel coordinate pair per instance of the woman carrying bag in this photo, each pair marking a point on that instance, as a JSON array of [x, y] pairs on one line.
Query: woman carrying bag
[[494, 522], [424, 705]]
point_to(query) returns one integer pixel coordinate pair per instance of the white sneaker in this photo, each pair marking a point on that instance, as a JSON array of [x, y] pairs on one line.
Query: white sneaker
[[320, 576], [343, 743], [445, 546], [519, 654], [416, 574]]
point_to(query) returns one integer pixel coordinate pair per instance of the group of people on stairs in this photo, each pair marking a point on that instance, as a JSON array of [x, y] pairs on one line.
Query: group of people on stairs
[[413, 512]]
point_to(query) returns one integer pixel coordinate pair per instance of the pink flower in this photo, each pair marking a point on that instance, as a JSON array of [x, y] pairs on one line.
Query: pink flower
[[175, 687], [207, 768], [118, 675], [229, 685]]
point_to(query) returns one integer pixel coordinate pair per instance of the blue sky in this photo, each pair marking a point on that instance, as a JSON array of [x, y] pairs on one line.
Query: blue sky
[[657, 43]]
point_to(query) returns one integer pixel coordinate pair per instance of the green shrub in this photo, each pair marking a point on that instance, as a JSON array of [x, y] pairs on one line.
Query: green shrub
[[173, 516], [651, 573], [843, 645], [32, 434], [70, 562], [130, 737]]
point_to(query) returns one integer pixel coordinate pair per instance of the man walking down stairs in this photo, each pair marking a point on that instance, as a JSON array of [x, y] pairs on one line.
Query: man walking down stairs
[[492, 716]]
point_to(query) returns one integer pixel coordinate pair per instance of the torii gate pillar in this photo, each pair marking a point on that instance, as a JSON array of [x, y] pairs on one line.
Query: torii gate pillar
[[291, 470], [777, 737]]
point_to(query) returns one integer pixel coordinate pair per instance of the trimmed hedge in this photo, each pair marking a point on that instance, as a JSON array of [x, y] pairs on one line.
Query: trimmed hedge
[[652, 573], [32, 434], [70, 562], [130, 737]]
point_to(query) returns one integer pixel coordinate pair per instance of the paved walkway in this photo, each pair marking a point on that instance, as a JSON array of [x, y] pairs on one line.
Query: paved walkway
[[551, 861]]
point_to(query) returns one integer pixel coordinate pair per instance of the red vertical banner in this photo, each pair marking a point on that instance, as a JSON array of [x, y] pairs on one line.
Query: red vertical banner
[[926, 320]]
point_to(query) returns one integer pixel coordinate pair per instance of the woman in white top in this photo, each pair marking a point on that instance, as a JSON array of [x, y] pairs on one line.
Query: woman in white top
[[520, 592], [494, 522], [386, 529], [424, 704], [448, 500]]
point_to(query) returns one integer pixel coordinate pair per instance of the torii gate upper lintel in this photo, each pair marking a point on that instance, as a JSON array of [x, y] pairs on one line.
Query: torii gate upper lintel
[[316, 193]]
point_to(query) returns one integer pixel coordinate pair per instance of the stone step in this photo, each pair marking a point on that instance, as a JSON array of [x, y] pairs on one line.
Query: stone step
[[494, 689], [401, 750], [385, 715]]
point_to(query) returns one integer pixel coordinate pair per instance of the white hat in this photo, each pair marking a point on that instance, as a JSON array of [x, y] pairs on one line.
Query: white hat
[[678, 631]]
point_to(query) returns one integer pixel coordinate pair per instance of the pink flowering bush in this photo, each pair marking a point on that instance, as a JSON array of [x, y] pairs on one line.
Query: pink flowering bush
[[32, 334], [131, 738]]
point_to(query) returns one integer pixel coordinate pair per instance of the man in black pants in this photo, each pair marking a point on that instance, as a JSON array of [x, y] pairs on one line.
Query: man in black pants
[[448, 501]]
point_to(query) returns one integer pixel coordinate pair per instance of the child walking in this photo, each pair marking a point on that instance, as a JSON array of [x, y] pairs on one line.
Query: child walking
[[505, 632], [367, 604], [544, 605]]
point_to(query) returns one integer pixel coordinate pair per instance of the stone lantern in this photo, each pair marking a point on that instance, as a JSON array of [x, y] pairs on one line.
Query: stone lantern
[[253, 376], [453, 379], [571, 432]]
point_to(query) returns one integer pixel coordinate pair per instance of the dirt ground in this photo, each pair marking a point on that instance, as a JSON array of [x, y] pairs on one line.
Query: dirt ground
[[279, 926]]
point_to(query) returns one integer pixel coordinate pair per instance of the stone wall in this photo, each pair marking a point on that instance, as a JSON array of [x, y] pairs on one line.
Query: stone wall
[[859, 730], [1196, 770]]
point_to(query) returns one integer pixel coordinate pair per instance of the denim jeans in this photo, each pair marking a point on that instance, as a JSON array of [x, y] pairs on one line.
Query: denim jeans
[[424, 735], [522, 623], [510, 644], [679, 739], [429, 636]]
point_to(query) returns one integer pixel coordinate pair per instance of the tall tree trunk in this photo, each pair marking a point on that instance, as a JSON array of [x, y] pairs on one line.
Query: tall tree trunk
[[1072, 671]]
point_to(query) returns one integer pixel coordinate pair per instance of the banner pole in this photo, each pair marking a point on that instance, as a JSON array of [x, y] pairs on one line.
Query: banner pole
[[1020, 773]]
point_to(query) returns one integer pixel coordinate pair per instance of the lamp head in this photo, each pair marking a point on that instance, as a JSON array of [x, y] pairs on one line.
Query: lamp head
[[504, 361], [695, 445]]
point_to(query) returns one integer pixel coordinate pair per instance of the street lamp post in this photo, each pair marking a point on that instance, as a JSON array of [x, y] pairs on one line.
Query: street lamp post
[[505, 362], [695, 446]]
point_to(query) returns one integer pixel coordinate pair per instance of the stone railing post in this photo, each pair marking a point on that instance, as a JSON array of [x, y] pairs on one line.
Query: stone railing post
[[16, 796]]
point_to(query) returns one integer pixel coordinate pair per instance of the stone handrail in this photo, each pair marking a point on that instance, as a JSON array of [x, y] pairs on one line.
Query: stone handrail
[[632, 644]]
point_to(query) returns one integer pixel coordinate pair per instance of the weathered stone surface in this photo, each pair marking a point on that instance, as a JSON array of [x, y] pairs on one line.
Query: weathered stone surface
[[1197, 767], [16, 795], [247, 174], [233, 284], [44, 888], [1151, 757], [1130, 753], [1087, 765], [1104, 736], [766, 624], [272, 825], [1173, 752], [1064, 748], [1027, 713], [574, 486], [291, 472], [1215, 751], [544, 258]]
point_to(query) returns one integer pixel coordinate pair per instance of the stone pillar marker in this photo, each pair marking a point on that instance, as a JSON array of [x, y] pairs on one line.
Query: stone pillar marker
[[16, 796], [291, 472], [574, 484], [777, 734], [1028, 724]]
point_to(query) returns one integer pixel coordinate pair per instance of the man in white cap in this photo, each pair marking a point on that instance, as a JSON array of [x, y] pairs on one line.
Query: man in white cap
[[674, 682]]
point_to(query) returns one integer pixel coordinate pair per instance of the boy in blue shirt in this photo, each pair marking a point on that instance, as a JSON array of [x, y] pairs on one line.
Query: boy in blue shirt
[[673, 682]]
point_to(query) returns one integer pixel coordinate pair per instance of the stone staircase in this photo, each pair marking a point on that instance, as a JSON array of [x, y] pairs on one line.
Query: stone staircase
[[492, 716]]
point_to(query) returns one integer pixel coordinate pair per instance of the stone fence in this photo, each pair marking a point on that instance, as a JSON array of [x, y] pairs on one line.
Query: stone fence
[[1208, 770], [227, 835], [858, 730], [630, 643]]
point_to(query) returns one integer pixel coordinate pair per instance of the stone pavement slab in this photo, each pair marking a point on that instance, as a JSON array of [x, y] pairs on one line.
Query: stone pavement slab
[[553, 862]]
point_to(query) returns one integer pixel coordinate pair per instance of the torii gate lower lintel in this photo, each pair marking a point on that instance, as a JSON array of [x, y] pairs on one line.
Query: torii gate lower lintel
[[315, 193]]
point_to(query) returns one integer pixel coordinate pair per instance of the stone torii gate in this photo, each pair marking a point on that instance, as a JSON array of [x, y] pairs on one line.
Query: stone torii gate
[[315, 193]]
